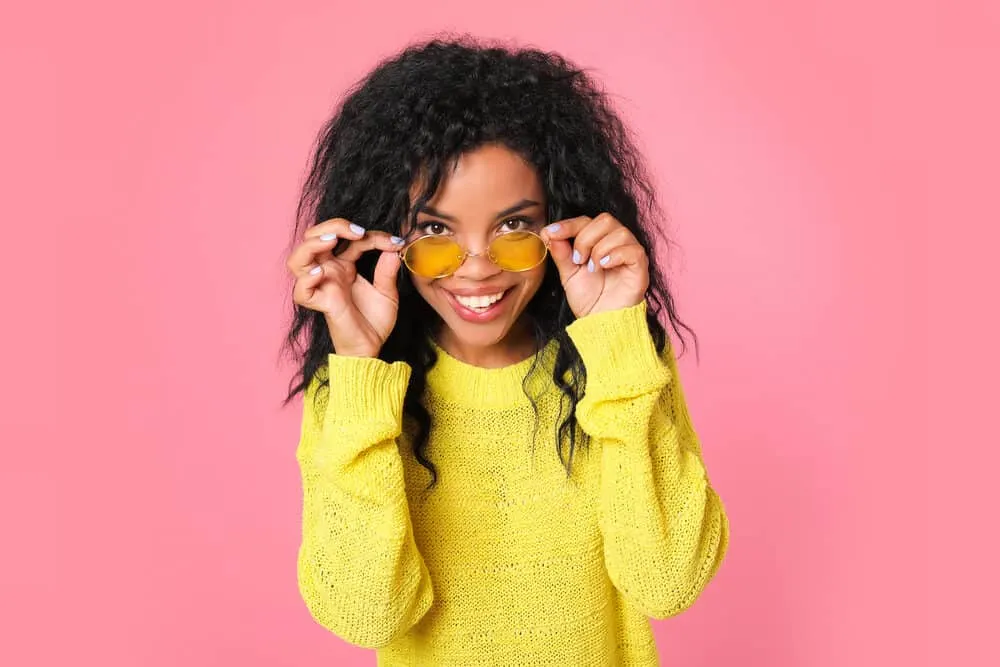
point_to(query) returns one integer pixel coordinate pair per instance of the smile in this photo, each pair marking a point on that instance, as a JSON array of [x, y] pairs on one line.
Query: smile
[[480, 303], [479, 308]]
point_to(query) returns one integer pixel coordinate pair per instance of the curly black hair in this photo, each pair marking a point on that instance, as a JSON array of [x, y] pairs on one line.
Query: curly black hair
[[412, 117]]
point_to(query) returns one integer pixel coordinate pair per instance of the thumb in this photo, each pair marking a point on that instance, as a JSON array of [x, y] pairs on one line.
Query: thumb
[[384, 278], [561, 252]]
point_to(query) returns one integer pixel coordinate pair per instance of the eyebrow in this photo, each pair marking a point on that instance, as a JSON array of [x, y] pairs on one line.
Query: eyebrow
[[524, 203]]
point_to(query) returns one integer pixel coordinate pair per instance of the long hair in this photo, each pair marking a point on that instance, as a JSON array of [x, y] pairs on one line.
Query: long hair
[[412, 117]]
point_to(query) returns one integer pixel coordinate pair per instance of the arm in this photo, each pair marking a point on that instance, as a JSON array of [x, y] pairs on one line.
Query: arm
[[665, 529], [359, 570]]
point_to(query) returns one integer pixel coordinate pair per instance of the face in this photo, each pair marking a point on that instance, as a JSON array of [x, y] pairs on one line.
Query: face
[[490, 192]]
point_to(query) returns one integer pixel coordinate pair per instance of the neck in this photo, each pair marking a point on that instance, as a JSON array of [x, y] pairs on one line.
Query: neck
[[516, 346]]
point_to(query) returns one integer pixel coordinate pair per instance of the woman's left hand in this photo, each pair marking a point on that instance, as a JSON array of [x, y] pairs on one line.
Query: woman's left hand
[[601, 264]]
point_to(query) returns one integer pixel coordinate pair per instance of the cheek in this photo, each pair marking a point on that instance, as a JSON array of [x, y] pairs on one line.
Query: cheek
[[424, 288], [532, 280]]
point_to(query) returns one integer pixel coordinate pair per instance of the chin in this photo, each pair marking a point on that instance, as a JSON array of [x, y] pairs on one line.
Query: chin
[[478, 335], [483, 327]]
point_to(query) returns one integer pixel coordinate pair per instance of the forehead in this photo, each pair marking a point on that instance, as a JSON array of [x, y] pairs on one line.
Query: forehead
[[484, 181]]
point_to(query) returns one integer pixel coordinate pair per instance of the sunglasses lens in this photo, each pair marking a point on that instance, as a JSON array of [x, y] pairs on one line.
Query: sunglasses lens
[[433, 257], [517, 251]]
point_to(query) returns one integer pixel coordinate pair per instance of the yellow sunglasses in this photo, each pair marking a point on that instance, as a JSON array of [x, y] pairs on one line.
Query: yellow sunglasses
[[438, 256]]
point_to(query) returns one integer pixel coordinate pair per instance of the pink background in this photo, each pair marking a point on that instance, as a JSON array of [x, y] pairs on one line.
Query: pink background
[[821, 163]]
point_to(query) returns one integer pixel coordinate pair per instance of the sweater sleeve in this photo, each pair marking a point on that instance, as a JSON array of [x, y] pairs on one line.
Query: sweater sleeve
[[665, 529], [359, 571]]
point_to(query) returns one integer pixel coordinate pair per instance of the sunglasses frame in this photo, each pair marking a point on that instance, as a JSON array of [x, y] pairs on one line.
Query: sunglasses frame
[[465, 254]]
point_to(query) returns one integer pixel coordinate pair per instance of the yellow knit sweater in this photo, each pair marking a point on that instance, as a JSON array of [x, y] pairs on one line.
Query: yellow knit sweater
[[507, 561]]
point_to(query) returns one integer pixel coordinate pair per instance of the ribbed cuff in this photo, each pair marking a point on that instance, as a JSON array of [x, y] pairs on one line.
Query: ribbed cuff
[[366, 389], [619, 353]]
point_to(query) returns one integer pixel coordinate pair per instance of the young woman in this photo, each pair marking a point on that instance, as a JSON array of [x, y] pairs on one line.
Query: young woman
[[497, 462]]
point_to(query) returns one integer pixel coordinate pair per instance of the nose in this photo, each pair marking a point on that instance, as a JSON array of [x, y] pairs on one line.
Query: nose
[[477, 266]]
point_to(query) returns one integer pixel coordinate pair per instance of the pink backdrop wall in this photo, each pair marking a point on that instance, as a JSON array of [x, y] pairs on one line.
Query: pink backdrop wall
[[153, 155]]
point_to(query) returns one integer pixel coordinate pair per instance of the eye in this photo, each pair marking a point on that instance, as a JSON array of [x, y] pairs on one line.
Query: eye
[[432, 228], [516, 225]]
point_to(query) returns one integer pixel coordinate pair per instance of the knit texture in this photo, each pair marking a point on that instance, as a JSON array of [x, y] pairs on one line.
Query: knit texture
[[507, 560]]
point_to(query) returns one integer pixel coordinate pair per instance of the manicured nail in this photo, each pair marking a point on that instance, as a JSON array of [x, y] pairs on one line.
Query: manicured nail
[[605, 260], [397, 240], [327, 237], [553, 228], [357, 229], [314, 270], [590, 266], [577, 257]]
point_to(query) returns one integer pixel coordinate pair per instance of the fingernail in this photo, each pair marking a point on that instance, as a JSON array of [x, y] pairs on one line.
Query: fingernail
[[357, 229], [590, 266], [577, 257], [605, 260], [315, 270], [327, 237], [553, 228], [397, 240]]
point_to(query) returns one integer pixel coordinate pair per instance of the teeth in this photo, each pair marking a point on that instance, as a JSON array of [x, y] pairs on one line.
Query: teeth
[[479, 301]]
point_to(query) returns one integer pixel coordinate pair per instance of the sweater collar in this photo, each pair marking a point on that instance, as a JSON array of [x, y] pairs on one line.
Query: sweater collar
[[456, 381]]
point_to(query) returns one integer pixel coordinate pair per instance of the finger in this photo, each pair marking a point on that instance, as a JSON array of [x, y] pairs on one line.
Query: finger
[[327, 232], [312, 251], [625, 255], [339, 227], [599, 228], [305, 286], [561, 252], [384, 278], [617, 238], [371, 241], [565, 229]]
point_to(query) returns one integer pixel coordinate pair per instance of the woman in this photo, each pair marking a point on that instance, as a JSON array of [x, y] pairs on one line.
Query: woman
[[498, 466]]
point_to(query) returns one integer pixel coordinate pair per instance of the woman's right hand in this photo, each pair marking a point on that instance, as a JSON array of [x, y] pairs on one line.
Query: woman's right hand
[[359, 314]]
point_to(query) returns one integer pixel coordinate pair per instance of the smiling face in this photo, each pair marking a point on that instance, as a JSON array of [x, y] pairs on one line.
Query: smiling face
[[492, 191]]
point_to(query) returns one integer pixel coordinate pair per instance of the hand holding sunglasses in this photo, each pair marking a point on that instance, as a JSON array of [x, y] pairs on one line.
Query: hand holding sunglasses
[[359, 314], [601, 264]]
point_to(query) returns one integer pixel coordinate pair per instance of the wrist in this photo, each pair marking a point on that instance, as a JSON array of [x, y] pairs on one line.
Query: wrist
[[354, 349], [365, 354]]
